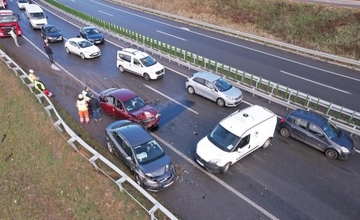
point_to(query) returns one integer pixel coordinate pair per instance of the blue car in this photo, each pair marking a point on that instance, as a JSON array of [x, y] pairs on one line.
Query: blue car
[[92, 34], [51, 33]]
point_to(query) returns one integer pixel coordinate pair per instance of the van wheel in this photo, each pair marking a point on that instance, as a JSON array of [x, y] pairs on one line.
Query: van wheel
[[220, 102], [285, 132], [146, 77], [225, 168], [331, 154], [121, 69], [82, 56], [67, 50], [109, 147], [267, 143], [190, 89]]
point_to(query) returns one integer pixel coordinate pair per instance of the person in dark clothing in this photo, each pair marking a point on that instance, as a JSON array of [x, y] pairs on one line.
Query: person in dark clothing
[[94, 105], [49, 52]]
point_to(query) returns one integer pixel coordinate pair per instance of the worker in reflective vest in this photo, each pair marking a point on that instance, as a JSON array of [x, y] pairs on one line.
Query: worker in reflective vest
[[82, 106], [41, 87]]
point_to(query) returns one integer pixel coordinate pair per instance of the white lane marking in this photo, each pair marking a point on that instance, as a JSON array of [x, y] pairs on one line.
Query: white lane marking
[[171, 99], [228, 42], [212, 176], [54, 67], [357, 151], [175, 71], [330, 87], [106, 13], [171, 35]]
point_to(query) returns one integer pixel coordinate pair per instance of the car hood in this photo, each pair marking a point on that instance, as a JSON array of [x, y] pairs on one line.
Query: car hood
[[345, 140], [233, 92], [208, 151], [157, 167], [92, 49], [150, 112], [95, 36], [154, 68]]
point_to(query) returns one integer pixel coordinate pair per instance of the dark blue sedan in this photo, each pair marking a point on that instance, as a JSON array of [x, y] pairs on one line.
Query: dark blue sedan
[[51, 33], [92, 34]]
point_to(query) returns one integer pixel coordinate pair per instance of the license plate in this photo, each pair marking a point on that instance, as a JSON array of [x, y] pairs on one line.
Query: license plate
[[97, 42]]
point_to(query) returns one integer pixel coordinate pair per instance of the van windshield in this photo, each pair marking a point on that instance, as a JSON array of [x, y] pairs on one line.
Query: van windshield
[[332, 131], [148, 61], [223, 139], [37, 15]]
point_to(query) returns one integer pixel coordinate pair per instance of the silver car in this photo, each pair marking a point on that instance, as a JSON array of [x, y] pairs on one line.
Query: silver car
[[214, 87]]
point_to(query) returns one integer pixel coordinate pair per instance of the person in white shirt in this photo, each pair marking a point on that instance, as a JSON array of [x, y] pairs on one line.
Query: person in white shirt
[[14, 36]]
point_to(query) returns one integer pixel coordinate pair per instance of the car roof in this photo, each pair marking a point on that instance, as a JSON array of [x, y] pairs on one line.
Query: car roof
[[310, 116], [137, 53], [208, 76], [122, 94], [242, 120], [89, 28], [77, 39], [135, 134]]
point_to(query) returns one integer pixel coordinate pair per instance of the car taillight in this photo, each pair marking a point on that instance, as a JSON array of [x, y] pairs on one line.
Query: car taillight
[[283, 120]]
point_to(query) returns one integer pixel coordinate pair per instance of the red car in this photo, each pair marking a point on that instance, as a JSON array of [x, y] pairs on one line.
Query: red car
[[125, 104]]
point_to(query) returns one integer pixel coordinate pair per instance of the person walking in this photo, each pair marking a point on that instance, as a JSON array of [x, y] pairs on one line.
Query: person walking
[[14, 36], [49, 52], [94, 105], [82, 106], [41, 87]]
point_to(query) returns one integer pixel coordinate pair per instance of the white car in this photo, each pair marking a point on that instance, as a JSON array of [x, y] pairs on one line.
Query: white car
[[82, 47], [22, 3]]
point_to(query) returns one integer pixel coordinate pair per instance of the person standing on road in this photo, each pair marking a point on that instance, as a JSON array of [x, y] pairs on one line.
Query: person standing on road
[[49, 52], [86, 93], [94, 105], [82, 106], [14, 36]]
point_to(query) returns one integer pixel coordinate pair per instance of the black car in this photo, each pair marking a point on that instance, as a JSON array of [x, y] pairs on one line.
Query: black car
[[51, 33], [92, 34], [318, 132], [131, 143]]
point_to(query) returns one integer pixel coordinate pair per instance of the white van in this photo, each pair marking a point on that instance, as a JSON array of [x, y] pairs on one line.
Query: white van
[[236, 136], [35, 15]]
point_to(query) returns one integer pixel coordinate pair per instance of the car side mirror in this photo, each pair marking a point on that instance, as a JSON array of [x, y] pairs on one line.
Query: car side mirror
[[238, 150]]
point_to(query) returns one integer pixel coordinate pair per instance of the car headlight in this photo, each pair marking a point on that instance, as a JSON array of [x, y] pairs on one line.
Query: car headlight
[[344, 149], [214, 161], [230, 98]]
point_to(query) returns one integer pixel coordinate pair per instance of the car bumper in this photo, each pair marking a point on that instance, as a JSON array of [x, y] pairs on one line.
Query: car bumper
[[162, 185], [212, 168], [152, 123], [58, 39], [233, 103], [345, 156], [93, 55]]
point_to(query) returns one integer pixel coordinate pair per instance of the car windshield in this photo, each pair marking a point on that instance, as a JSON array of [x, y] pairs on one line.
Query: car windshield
[[148, 61], [23, 1], [85, 43], [7, 18], [92, 31], [37, 15], [51, 30], [331, 131], [134, 104], [148, 152], [222, 85], [223, 139]]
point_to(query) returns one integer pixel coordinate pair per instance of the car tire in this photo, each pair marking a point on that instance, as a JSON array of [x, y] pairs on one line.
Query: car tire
[[67, 50], [285, 132], [331, 154], [267, 143], [190, 90], [109, 147], [146, 77], [121, 69], [225, 168], [220, 102], [82, 56], [138, 180]]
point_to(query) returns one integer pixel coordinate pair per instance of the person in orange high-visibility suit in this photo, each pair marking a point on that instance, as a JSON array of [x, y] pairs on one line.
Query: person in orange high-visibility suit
[[82, 106]]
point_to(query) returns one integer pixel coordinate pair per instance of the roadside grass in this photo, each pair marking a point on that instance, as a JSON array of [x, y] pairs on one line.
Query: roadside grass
[[42, 177], [319, 27]]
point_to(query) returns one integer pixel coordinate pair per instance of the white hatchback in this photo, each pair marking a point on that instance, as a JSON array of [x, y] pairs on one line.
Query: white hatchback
[[82, 47], [22, 3]]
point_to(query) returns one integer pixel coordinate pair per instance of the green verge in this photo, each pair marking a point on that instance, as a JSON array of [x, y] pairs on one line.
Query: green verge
[[42, 177]]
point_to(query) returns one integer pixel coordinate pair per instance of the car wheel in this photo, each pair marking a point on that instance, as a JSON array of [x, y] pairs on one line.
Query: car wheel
[[121, 68], [267, 143], [220, 102], [138, 180], [82, 56], [285, 132], [146, 77], [225, 168], [109, 147], [331, 154], [190, 89], [67, 50]]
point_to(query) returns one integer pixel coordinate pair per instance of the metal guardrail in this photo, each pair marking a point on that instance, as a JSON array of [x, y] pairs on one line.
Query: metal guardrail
[[74, 139], [244, 35], [344, 118]]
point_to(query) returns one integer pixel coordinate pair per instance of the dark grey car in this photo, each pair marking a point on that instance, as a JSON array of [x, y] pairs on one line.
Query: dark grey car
[[318, 132], [131, 143], [92, 34]]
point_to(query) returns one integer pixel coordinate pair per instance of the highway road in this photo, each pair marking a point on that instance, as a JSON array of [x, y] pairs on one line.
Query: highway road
[[288, 180]]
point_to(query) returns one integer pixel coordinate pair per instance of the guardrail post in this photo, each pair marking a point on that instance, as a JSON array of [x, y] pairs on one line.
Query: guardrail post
[[308, 99], [258, 83], [352, 116], [338, 115], [277, 89], [317, 103], [329, 108], [243, 77], [296, 95], [251, 79], [267, 87], [216, 67], [93, 159], [286, 91]]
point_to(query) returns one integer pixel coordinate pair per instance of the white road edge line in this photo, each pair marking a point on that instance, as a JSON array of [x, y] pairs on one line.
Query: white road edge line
[[171, 35], [106, 13], [330, 87], [212, 176], [171, 99]]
